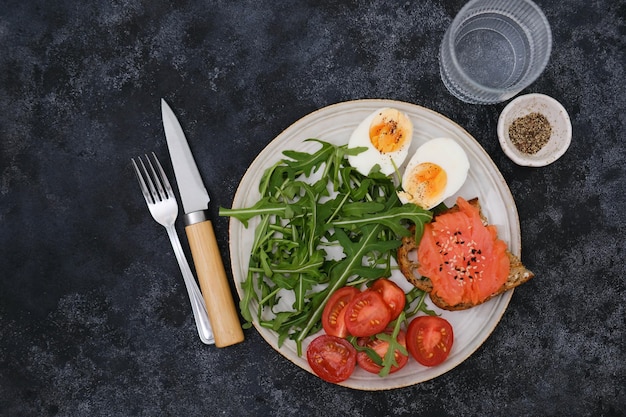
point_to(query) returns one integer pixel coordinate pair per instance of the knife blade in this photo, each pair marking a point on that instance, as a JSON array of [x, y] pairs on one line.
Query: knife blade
[[199, 229]]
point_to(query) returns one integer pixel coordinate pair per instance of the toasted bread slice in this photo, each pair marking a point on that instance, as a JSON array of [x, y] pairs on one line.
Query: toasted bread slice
[[407, 261]]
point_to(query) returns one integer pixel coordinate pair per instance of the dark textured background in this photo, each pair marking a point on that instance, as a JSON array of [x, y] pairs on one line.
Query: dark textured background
[[94, 317]]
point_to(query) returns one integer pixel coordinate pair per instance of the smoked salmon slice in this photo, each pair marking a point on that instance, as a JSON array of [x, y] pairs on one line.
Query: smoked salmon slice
[[463, 258]]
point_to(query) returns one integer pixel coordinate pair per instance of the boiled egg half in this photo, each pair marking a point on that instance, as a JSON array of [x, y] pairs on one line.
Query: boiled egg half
[[387, 134], [436, 171]]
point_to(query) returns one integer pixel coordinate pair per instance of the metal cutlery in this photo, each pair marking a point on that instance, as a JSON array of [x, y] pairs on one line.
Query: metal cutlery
[[204, 249], [162, 204]]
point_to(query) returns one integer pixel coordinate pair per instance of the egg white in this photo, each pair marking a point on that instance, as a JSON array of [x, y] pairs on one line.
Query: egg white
[[387, 161], [446, 153]]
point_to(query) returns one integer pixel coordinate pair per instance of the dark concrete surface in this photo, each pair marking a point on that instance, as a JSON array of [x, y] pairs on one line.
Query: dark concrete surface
[[94, 317]]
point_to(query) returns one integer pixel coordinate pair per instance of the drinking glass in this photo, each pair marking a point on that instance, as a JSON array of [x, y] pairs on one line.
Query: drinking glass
[[494, 49]]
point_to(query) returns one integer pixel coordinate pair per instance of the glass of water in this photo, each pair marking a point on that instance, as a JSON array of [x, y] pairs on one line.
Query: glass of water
[[494, 49]]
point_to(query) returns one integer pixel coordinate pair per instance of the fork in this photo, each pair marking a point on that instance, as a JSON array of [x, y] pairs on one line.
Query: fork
[[162, 204]]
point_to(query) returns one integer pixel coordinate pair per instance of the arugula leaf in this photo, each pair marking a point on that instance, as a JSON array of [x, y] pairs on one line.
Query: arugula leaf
[[389, 360], [392, 218], [390, 357], [420, 296], [301, 219], [263, 206]]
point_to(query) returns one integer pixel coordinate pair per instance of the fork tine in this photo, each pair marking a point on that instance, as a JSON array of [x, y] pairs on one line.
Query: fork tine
[[142, 182], [156, 178], [151, 180], [168, 188]]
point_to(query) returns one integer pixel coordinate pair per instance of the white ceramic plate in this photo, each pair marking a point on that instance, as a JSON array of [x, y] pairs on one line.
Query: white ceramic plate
[[334, 124]]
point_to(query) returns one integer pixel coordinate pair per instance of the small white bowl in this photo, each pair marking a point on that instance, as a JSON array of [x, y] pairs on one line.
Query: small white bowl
[[561, 134]]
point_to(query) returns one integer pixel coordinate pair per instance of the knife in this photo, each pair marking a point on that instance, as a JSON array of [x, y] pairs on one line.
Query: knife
[[199, 229]]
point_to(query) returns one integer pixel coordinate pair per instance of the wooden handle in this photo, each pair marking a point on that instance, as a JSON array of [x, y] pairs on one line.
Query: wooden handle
[[214, 284]]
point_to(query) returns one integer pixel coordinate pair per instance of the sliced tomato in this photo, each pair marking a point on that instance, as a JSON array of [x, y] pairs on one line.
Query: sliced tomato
[[392, 294], [381, 347], [331, 358], [333, 316], [367, 314], [429, 339]]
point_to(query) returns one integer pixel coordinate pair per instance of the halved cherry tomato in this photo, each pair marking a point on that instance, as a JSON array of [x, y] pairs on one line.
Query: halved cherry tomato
[[429, 339], [333, 316], [392, 294], [332, 358], [367, 314], [381, 347]]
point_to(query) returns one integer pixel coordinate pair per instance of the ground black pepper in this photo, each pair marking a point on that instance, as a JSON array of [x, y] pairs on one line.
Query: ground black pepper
[[530, 133]]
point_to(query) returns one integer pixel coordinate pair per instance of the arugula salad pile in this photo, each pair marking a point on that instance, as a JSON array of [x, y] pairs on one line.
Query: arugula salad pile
[[312, 204]]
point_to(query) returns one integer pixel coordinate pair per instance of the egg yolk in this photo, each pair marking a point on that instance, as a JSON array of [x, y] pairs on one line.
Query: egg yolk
[[426, 184], [389, 130]]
